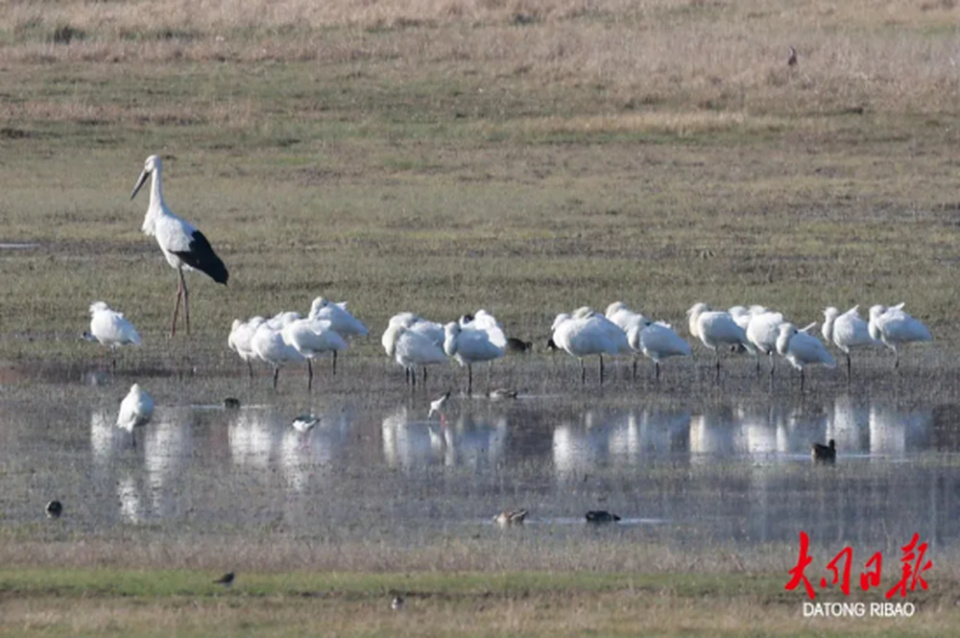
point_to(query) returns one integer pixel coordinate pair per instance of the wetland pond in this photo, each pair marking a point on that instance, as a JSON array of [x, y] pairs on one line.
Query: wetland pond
[[727, 470]]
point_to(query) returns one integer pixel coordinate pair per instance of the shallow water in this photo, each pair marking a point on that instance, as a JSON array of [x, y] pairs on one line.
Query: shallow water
[[725, 469]]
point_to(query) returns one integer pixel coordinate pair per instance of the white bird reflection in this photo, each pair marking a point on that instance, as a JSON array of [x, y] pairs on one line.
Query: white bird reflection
[[470, 441], [168, 443], [254, 438], [303, 454]]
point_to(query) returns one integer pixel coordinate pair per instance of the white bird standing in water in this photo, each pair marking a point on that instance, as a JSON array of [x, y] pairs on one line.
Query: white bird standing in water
[[895, 328], [846, 331], [716, 328], [268, 344], [182, 244], [136, 410], [587, 332], [410, 349], [312, 337], [240, 336], [657, 341], [469, 346], [763, 330], [341, 321], [110, 328], [436, 406], [802, 349]]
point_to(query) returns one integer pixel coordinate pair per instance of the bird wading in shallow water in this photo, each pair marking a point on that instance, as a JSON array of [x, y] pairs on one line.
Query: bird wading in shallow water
[[136, 410], [182, 244]]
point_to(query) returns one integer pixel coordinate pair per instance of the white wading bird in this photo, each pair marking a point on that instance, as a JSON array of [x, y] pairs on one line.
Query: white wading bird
[[436, 406], [136, 410], [470, 346], [894, 328], [657, 341], [312, 337], [410, 349], [268, 344], [626, 320], [716, 328], [846, 331], [239, 340], [341, 321], [182, 244], [586, 333], [110, 328], [802, 349], [763, 330]]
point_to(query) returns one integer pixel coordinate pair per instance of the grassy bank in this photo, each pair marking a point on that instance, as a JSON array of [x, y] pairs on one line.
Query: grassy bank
[[110, 602]]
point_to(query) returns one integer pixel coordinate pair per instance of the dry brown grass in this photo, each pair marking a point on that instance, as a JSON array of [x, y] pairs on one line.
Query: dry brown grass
[[716, 56]]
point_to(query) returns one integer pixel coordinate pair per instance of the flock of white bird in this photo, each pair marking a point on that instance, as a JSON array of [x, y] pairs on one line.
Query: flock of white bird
[[413, 341]]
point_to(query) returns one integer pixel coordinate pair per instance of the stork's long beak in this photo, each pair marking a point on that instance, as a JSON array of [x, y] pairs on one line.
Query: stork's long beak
[[136, 189]]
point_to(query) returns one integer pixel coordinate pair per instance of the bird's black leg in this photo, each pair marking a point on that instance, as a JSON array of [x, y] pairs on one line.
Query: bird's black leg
[[469, 379], [250, 368], [276, 375], [634, 367], [583, 372], [424, 384], [717, 378], [334, 363], [656, 367], [849, 367], [309, 375], [186, 301], [601, 369]]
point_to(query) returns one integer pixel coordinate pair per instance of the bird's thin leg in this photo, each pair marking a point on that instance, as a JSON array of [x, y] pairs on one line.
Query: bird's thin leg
[[849, 368], [309, 375], [601, 369], [896, 359], [406, 375], [801, 380], [334, 363], [276, 375], [413, 378], [250, 368], [469, 379], [773, 363], [634, 367], [583, 372], [656, 369], [717, 377], [176, 307], [424, 383], [758, 364], [186, 301]]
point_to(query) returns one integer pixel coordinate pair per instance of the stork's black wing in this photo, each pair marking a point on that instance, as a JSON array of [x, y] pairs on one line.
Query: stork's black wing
[[201, 257]]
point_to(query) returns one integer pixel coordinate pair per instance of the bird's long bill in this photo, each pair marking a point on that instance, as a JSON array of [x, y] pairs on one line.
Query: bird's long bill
[[136, 189]]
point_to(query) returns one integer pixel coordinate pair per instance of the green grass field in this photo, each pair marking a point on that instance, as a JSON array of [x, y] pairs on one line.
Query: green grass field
[[527, 157]]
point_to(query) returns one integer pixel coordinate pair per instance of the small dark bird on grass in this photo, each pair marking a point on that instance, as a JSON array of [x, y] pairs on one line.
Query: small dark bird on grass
[[226, 580], [54, 509], [824, 453], [231, 403], [518, 345], [397, 603], [792, 61], [601, 516]]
